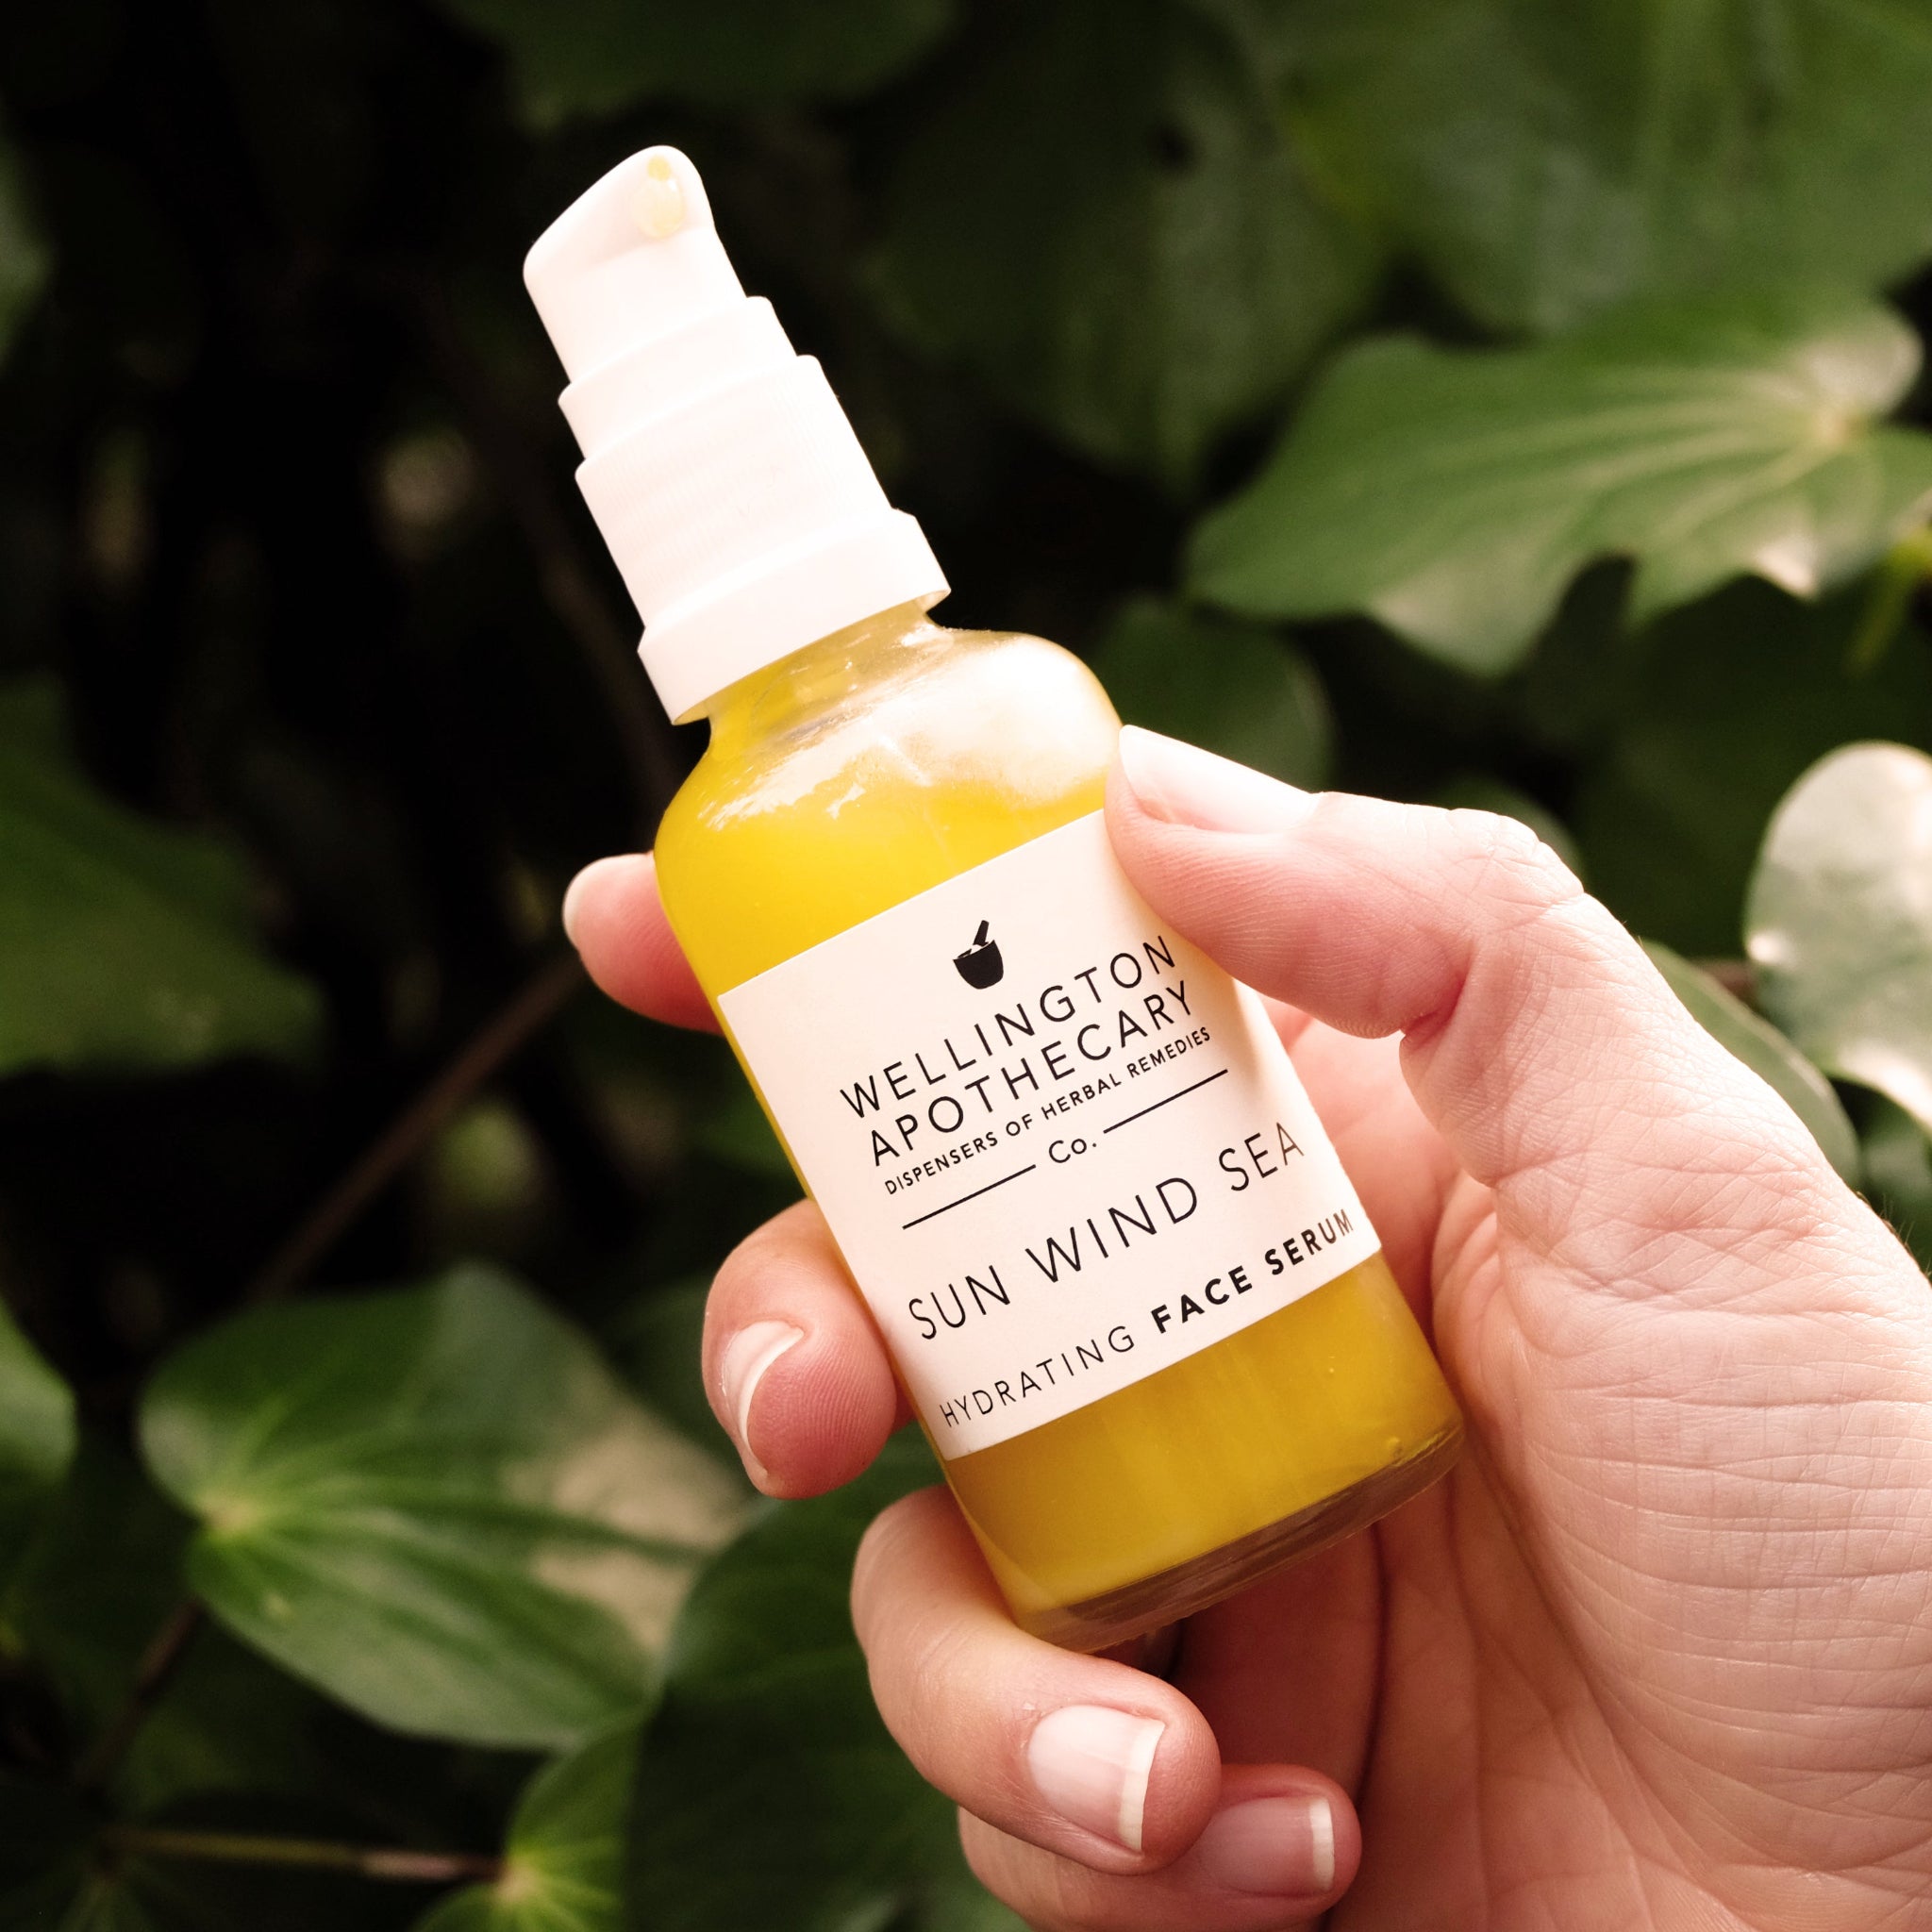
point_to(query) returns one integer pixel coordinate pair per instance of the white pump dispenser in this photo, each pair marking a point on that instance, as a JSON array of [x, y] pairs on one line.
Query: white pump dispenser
[[724, 474]]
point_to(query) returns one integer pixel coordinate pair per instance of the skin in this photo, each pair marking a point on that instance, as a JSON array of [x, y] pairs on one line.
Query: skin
[[1659, 1652]]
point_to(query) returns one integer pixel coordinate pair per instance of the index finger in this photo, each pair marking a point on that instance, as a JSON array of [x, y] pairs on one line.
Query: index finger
[[1536, 1037], [614, 915]]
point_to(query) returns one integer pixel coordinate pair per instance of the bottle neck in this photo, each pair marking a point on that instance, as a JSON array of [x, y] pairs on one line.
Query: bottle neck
[[825, 678]]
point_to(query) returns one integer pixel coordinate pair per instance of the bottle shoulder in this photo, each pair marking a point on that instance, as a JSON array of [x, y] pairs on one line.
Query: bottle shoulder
[[989, 711], [955, 754]]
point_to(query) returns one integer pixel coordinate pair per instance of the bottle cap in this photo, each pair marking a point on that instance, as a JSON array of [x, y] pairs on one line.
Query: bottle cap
[[721, 470]]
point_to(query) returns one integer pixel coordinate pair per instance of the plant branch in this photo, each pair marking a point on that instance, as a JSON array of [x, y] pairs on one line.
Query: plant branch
[[568, 581], [499, 1039], [152, 1676], [397, 1863]]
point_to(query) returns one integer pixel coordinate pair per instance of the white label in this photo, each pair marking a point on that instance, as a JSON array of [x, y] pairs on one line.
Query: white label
[[1057, 1147]]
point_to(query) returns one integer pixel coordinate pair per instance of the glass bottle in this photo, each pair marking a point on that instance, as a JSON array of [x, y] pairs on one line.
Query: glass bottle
[[1152, 1367]]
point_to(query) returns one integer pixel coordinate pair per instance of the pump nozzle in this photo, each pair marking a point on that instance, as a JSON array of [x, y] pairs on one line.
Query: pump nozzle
[[718, 463], [660, 206], [622, 280], [634, 258]]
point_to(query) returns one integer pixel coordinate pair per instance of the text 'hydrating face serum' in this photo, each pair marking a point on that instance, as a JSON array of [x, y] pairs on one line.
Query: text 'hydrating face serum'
[[1134, 1300]]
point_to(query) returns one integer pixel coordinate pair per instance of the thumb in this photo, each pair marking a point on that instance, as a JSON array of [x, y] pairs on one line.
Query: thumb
[[1536, 1037]]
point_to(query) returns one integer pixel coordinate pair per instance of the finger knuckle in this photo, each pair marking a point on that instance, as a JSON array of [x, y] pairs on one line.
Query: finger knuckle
[[1507, 860]]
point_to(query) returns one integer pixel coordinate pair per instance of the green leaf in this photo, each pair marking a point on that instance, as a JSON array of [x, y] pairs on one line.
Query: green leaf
[[1839, 920], [1100, 217], [735, 1131], [96, 1583], [1766, 1053], [570, 57], [1712, 715], [124, 943], [1453, 494], [229, 1721], [1236, 688], [24, 260], [769, 1794], [1545, 161], [231, 1730], [657, 1341], [45, 1839], [1898, 1173], [562, 1862], [37, 1437], [438, 1504]]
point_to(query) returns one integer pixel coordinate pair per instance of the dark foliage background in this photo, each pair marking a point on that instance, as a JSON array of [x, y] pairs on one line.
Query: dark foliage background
[[324, 1606]]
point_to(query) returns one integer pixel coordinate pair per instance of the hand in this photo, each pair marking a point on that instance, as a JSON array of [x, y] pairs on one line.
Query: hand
[[1657, 1654]]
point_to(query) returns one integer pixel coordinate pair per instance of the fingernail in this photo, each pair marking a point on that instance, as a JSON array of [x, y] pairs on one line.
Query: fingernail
[[743, 1367], [1273, 1847], [1188, 786], [1091, 1765]]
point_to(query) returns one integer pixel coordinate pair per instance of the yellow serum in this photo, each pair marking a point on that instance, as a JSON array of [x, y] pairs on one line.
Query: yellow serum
[[1063, 1141]]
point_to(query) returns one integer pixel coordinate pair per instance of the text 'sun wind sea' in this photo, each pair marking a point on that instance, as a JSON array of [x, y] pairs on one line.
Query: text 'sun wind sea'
[[1053, 1173]]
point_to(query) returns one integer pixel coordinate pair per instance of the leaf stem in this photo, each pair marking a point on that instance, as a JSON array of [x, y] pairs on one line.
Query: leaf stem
[[499, 1039], [152, 1676], [1904, 569], [392, 1862]]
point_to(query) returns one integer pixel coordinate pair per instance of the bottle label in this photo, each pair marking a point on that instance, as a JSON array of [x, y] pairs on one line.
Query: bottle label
[[1060, 1149]]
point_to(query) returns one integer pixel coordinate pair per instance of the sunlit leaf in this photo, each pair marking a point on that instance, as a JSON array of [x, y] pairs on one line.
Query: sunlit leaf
[[563, 1860], [1452, 494], [570, 57], [1546, 159], [37, 1437], [1235, 688], [1766, 1053], [1098, 215], [768, 1793], [1839, 920], [438, 1504], [124, 943]]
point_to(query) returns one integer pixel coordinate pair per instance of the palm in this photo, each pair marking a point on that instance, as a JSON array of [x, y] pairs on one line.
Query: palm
[[1568, 1728]]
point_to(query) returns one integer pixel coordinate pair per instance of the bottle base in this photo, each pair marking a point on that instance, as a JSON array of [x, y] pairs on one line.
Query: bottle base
[[1167, 1596]]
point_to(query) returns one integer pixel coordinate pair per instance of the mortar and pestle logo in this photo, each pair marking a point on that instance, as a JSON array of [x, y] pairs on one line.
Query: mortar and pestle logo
[[980, 964]]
